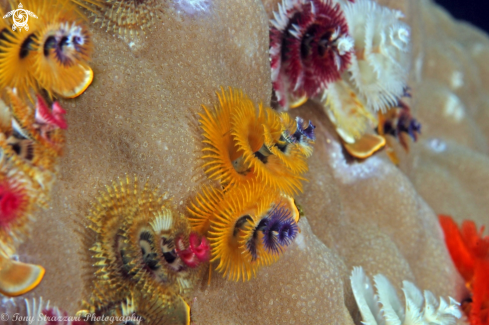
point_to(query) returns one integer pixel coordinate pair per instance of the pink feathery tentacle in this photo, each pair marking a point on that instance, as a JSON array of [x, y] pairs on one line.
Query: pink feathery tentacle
[[200, 249], [45, 116], [186, 254]]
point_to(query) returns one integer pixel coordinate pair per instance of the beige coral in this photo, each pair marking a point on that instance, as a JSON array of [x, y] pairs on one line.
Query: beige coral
[[139, 117]]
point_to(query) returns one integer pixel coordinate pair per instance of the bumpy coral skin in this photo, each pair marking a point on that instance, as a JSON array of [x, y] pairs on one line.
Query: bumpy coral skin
[[349, 205], [309, 47], [182, 144]]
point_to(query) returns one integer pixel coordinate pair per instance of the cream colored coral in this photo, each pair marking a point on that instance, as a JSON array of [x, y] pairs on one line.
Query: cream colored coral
[[137, 117]]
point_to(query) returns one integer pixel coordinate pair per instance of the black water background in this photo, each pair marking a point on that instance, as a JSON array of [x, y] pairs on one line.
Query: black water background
[[474, 11]]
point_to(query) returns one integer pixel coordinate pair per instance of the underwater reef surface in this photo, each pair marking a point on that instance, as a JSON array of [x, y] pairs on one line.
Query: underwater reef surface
[[139, 117]]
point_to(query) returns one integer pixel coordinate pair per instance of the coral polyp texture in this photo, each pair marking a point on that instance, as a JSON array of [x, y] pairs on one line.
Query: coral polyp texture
[[309, 48], [139, 118], [52, 55], [420, 308], [469, 249], [139, 245]]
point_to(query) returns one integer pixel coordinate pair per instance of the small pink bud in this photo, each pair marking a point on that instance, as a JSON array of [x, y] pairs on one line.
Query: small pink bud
[[201, 249], [186, 254]]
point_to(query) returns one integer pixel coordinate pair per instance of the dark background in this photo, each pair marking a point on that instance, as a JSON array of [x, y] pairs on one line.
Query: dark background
[[474, 11]]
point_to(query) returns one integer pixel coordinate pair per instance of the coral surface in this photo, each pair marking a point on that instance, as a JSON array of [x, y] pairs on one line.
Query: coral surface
[[140, 116]]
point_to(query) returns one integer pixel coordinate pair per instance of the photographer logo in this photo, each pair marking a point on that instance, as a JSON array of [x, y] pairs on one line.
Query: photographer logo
[[20, 17]]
